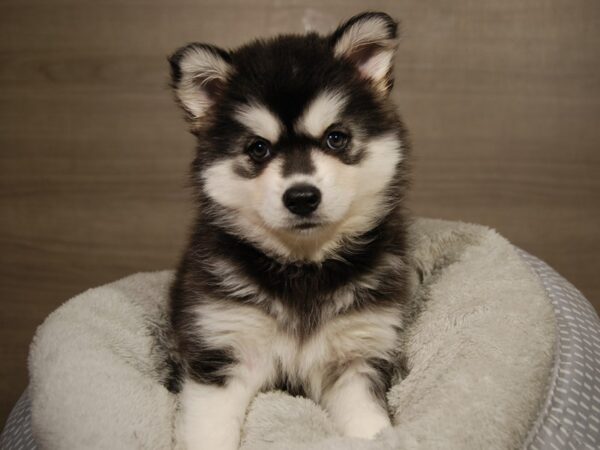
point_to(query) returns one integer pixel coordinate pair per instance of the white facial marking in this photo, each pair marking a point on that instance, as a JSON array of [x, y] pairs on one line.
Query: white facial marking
[[353, 199], [198, 67], [225, 186], [258, 119], [323, 111], [254, 202], [353, 195]]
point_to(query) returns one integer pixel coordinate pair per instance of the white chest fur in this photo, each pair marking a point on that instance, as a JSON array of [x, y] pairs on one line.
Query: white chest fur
[[265, 350]]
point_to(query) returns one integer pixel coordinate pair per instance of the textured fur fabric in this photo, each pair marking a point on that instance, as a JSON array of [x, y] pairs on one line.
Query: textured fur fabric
[[479, 359]]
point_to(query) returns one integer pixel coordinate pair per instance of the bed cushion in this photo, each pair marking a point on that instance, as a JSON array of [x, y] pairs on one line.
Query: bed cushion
[[486, 360]]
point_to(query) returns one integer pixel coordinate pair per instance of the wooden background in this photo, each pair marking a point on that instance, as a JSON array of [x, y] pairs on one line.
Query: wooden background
[[502, 98]]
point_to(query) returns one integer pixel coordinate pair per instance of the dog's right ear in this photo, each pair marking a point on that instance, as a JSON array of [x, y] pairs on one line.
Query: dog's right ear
[[199, 73]]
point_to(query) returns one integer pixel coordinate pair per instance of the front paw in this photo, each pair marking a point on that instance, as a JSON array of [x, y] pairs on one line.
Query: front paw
[[366, 426], [218, 437]]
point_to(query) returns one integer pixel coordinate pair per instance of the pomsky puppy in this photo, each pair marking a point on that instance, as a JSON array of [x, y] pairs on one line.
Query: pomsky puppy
[[296, 273]]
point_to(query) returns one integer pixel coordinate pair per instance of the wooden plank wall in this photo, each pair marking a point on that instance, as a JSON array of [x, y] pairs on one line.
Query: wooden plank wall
[[502, 98]]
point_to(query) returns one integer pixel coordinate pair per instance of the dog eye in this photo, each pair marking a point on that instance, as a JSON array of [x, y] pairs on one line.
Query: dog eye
[[259, 150], [336, 140]]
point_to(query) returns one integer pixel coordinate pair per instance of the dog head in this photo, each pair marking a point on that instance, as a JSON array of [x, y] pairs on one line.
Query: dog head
[[300, 149]]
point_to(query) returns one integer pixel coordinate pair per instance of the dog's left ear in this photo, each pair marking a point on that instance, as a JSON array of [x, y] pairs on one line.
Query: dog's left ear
[[369, 41]]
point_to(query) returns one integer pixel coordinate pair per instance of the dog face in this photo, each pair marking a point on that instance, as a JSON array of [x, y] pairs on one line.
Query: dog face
[[299, 147]]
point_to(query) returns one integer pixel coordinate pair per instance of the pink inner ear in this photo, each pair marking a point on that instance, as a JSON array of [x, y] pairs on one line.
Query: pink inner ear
[[377, 66], [373, 60]]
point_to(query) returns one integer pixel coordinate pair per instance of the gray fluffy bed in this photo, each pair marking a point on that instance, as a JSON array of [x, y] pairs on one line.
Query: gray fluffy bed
[[481, 356]]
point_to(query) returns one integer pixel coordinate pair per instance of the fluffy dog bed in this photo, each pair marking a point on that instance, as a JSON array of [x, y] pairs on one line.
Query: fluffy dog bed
[[504, 355]]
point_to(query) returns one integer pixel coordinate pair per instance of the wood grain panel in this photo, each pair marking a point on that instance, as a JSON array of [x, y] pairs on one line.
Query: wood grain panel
[[502, 100]]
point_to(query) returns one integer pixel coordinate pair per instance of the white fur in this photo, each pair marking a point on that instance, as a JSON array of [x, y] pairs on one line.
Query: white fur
[[351, 337], [226, 187], [212, 416], [252, 202], [259, 341], [352, 199], [199, 64], [352, 408], [258, 119], [233, 283], [323, 111], [369, 181]]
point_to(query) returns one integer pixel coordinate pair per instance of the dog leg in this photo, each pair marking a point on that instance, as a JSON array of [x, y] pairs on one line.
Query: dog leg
[[353, 407], [212, 415]]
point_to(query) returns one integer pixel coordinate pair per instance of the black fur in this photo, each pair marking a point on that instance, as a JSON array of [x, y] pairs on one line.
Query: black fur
[[297, 158]]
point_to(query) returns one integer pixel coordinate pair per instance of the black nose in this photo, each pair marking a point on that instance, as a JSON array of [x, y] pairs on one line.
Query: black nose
[[302, 199]]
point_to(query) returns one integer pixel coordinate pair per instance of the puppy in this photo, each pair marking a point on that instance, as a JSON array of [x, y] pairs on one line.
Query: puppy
[[295, 276]]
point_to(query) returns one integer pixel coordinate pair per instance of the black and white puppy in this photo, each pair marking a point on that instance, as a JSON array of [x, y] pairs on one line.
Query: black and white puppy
[[295, 276]]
